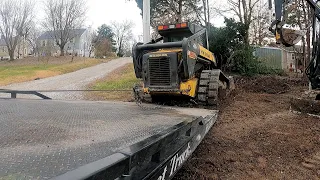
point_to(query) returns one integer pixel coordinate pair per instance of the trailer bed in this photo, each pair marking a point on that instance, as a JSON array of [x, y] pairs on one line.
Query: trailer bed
[[41, 139]]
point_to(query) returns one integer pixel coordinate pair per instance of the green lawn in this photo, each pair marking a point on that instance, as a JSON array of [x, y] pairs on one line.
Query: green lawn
[[14, 73], [122, 78]]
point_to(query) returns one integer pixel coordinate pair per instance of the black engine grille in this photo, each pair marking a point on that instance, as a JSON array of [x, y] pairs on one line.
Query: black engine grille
[[159, 71]]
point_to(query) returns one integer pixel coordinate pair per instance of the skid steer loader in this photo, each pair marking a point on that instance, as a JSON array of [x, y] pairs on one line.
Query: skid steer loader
[[179, 64]]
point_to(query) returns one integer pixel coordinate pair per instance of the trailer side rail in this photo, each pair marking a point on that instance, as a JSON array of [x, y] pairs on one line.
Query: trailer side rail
[[157, 157], [15, 92]]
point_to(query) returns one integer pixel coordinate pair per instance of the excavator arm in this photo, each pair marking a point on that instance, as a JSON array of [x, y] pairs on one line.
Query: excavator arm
[[289, 36]]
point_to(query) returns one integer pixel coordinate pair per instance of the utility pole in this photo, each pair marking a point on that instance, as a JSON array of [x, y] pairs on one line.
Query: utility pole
[[146, 21]]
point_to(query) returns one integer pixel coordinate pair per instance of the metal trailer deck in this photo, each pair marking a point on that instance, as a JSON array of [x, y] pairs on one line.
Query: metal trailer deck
[[44, 139]]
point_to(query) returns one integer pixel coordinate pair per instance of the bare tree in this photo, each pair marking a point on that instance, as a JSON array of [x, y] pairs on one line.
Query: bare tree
[[91, 39], [173, 11], [304, 21], [259, 29], [243, 10], [103, 48], [62, 18], [32, 38], [122, 34], [15, 16]]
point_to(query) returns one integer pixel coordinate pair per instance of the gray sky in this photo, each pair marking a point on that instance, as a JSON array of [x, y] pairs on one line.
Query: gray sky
[[104, 11]]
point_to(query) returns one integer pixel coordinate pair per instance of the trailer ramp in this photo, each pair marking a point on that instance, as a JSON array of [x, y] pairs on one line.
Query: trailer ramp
[[44, 139]]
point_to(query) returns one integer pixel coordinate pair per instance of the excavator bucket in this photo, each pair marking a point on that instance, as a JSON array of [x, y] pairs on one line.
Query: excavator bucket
[[290, 36], [285, 34]]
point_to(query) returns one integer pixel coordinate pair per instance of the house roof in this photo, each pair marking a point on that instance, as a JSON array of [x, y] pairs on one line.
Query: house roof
[[50, 34]]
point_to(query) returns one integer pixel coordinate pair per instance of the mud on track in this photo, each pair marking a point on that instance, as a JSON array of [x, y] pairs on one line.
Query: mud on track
[[257, 137]]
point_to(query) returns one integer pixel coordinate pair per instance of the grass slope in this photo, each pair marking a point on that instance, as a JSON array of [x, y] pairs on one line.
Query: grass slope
[[121, 78], [15, 73]]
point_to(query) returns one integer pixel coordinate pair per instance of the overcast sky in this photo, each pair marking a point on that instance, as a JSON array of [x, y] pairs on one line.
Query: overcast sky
[[104, 11]]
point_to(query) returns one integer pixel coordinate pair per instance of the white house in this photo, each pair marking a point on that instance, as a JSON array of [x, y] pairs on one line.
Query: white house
[[80, 43], [22, 50]]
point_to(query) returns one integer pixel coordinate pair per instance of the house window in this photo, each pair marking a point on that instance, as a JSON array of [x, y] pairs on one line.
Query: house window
[[293, 57], [72, 40], [44, 43], [25, 51], [3, 49]]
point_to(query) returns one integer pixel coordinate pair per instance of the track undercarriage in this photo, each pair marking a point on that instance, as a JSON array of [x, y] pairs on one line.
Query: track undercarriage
[[211, 90]]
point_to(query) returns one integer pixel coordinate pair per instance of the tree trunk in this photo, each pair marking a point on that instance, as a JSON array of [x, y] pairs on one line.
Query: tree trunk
[[61, 50], [304, 54], [73, 54], [90, 53], [246, 38], [308, 46], [239, 10], [310, 15], [120, 48], [306, 41], [180, 12], [23, 46], [11, 54], [19, 50]]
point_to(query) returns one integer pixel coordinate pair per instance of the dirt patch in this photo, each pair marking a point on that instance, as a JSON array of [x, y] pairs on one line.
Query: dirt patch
[[268, 84], [257, 137], [45, 73], [305, 106]]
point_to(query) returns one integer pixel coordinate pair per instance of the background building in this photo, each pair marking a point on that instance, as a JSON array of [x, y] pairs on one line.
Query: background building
[[79, 45]]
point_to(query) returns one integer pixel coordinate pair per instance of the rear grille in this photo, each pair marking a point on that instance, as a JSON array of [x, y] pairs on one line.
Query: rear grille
[[159, 71]]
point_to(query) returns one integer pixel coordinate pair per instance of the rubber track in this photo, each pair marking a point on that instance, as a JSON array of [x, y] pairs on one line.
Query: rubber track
[[208, 88]]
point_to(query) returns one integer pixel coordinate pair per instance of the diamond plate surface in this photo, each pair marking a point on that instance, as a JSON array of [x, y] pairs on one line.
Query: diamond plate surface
[[42, 139]]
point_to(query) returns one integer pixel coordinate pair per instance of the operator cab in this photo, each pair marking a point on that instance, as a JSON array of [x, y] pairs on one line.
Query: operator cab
[[176, 32]]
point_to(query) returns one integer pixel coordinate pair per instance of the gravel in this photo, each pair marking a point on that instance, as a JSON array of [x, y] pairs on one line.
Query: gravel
[[77, 80]]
